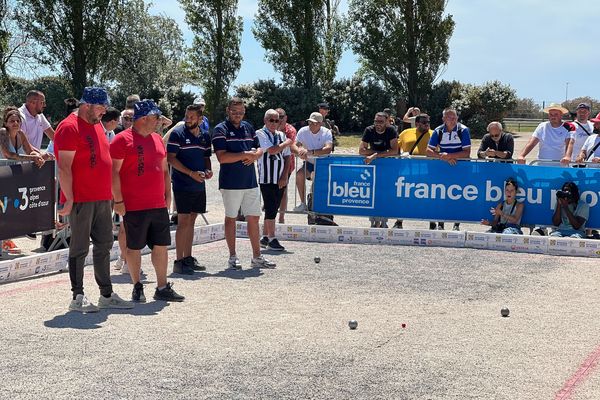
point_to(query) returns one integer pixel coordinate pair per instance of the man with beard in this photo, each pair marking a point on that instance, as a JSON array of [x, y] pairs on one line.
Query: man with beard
[[84, 172], [188, 153]]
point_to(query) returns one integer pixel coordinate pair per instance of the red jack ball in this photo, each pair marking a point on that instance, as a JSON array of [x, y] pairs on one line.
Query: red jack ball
[[404, 325]]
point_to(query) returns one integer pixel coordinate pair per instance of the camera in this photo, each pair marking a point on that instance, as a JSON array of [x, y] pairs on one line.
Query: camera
[[563, 194]]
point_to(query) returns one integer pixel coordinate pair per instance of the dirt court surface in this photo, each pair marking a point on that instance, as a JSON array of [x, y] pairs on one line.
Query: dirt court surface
[[283, 333]]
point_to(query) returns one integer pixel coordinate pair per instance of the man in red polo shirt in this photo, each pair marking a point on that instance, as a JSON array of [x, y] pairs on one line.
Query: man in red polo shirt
[[142, 193], [84, 172]]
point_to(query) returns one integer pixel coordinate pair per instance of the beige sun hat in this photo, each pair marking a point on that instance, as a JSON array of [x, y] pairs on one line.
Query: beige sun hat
[[555, 106]]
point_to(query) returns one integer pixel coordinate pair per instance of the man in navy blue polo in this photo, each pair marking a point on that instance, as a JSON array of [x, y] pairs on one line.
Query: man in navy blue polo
[[188, 152], [449, 142], [237, 148]]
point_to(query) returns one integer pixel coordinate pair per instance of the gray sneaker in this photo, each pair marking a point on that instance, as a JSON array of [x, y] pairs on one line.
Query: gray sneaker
[[82, 304], [234, 263], [114, 301], [261, 262]]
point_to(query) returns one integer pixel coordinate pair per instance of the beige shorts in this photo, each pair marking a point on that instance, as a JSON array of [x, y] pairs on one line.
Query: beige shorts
[[246, 199]]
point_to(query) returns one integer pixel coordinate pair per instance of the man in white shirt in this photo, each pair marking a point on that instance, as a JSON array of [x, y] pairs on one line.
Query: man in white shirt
[[584, 128], [555, 137], [33, 123], [312, 140]]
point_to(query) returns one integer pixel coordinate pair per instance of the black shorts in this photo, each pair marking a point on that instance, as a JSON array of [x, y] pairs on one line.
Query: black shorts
[[147, 227], [271, 196], [190, 202]]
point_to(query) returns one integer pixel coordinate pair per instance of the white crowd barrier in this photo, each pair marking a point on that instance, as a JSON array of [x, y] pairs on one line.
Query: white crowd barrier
[[24, 267], [39, 264]]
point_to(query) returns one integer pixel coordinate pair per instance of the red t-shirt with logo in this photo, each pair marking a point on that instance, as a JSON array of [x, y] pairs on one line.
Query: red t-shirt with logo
[[142, 175], [92, 165]]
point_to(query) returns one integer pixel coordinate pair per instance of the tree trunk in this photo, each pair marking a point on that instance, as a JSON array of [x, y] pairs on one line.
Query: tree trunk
[[79, 51], [218, 84], [411, 44]]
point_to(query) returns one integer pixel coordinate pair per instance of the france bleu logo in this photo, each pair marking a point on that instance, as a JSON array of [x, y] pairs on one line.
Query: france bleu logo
[[351, 186]]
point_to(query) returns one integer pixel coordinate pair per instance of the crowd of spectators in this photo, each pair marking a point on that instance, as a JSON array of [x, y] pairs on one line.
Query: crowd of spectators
[[129, 143]]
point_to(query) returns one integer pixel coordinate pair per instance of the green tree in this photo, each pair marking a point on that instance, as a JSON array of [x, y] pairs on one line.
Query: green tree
[[215, 57], [303, 39], [72, 33], [403, 43], [145, 55]]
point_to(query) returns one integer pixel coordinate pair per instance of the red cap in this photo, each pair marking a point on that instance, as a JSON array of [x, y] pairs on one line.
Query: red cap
[[597, 119]]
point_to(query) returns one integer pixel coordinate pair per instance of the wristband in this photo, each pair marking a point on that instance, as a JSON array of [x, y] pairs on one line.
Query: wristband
[[119, 202]]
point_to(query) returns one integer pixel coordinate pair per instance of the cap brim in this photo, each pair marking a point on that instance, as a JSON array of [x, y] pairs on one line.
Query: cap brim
[[561, 109], [594, 120], [312, 120]]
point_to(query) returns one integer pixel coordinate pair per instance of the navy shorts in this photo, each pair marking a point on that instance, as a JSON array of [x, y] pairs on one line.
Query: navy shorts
[[190, 202]]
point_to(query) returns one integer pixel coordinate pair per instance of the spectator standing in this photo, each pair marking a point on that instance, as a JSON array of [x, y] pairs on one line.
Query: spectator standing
[[205, 125], [84, 172], [110, 120], [555, 137], [449, 142], [237, 148], [414, 141], [126, 120], [142, 190], [583, 128], [312, 140], [290, 133], [273, 174], [379, 140], [188, 153], [410, 117], [496, 144], [33, 122], [329, 124]]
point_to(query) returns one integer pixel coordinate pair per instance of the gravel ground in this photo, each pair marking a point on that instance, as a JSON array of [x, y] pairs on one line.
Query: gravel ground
[[283, 333]]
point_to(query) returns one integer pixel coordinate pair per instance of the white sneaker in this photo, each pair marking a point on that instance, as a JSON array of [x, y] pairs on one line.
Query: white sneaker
[[119, 264], [125, 269], [301, 208], [82, 304], [114, 301], [262, 262], [234, 263]]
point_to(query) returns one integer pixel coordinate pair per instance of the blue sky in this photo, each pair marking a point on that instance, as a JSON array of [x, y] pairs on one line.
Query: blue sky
[[535, 46]]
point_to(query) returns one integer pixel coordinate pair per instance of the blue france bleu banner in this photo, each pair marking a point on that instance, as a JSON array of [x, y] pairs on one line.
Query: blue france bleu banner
[[434, 190]]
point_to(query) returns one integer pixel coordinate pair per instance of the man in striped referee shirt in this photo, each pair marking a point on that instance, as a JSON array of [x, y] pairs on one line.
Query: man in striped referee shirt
[[273, 171]]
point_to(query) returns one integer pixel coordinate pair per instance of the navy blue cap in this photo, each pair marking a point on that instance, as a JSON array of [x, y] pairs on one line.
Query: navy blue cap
[[144, 108], [323, 105], [95, 95]]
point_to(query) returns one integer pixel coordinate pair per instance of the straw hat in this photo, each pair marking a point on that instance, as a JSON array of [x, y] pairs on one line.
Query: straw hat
[[555, 106]]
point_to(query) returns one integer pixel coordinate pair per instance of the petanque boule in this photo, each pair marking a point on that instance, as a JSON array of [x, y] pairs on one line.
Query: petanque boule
[[505, 312], [353, 324], [317, 259]]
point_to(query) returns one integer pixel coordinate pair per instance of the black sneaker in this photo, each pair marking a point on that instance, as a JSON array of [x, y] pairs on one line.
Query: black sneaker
[[275, 245], [440, 226], [398, 224], [456, 227], [264, 242], [194, 264], [167, 294], [137, 295], [180, 267], [432, 226]]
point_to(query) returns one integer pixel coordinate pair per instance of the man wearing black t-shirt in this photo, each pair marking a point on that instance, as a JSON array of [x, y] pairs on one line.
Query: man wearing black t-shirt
[[379, 140]]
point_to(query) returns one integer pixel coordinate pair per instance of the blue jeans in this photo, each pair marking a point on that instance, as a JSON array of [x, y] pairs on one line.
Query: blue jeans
[[568, 233]]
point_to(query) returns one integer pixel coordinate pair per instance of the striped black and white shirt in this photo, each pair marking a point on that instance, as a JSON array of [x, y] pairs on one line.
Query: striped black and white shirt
[[270, 166]]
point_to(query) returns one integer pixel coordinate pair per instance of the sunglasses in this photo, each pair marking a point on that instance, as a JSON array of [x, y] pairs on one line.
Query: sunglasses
[[273, 120]]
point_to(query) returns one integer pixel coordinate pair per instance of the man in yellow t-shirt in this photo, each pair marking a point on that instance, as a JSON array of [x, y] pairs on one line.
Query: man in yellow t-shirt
[[408, 137], [408, 145]]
